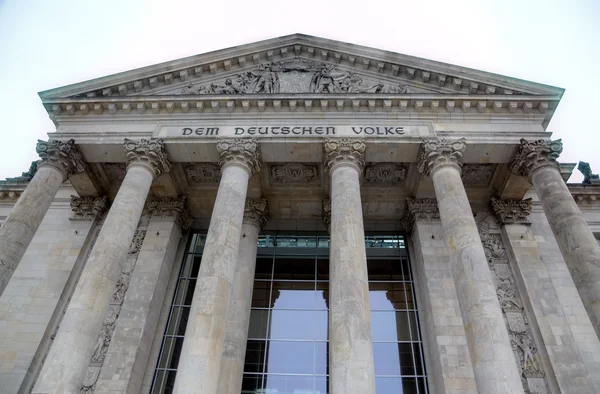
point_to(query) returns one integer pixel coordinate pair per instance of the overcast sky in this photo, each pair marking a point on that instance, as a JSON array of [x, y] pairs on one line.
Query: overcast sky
[[47, 44]]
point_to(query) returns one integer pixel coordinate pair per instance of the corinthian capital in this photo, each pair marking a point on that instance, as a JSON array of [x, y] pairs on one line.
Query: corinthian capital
[[64, 156], [512, 211], [241, 151], [88, 208], [169, 207], [530, 156], [436, 153], [150, 153], [420, 210], [344, 151], [256, 211]]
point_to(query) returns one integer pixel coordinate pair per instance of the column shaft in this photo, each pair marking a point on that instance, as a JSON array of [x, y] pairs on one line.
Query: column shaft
[[351, 362], [238, 317], [576, 241], [25, 218], [69, 356], [202, 350], [489, 345]]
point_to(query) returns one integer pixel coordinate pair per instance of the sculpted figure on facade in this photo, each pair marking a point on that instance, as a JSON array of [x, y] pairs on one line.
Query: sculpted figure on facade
[[149, 152], [241, 151], [344, 151], [529, 156], [438, 152], [589, 178], [64, 156]]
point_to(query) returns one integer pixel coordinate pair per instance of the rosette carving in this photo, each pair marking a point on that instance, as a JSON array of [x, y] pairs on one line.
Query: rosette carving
[[150, 153], [169, 207], [241, 151], [512, 211], [436, 153], [420, 210], [327, 213], [530, 156], [64, 156], [256, 212], [89, 208], [346, 151]]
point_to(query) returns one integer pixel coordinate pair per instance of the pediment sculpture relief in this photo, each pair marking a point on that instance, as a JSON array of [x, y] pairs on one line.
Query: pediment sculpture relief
[[294, 76]]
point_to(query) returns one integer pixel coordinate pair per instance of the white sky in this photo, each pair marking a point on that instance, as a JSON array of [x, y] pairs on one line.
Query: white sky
[[46, 44]]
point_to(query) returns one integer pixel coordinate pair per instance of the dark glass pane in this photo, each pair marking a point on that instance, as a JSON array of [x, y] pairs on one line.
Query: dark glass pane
[[382, 241], [255, 356], [292, 324], [174, 320], [258, 324], [321, 325], [157, 386], [299, 241], [170, 382], [321, 385], [422, 383], [290, 357], [407, 366], [418, 361], [413, 326], [185, 292], [293, 295], [409, 386], [186, 268], [193, 241], [176, 352], [261, 294], [264, 268], [196, 266], [251, 383], [322, 301], [322, 269], [200, 241], [390, 326], [183, 320], [388, 385], [165, 355], [385, 269], [321, 357], [323, 242], [406, 268], [390, 296], [387, 359], [266, 241], [282, 384], [298, 269]]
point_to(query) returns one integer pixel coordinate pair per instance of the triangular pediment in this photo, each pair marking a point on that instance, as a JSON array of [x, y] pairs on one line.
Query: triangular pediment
[[299, 64]]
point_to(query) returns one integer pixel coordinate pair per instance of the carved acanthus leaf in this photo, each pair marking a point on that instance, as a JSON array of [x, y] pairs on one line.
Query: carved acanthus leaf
[[436, 153], [88, 208], [424, 210], [293, 173], [530, 156], [203, 173], [171, 208], [241, 151], [346, 151], [148, 152], [327, 213], [63, 155], [385, 173], [256, 212], [512, 211]]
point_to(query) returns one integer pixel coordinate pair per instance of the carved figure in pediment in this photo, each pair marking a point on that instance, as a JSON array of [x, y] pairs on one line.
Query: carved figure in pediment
[[229, 88], [266, 81], [399, 89]]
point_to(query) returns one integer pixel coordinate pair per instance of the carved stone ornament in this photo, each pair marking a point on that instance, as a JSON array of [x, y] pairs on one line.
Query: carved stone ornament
[[203, 173], [256, 212], [512, 211], [589, 178], [437, 153], [530, 156], [295, 76], [424, 210], [241, 151], [150, 153], [88, 208], [385, 173], [293, 173], [327, 213], [477, 174], [169, 207], [62, 155], [346, 151]]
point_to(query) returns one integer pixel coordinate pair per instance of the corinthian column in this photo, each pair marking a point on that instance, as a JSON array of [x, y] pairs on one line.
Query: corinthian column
[[202, 351], [494, 365], [351, 362], [67, 361], [238, 318], [537, 161], [59, 161]]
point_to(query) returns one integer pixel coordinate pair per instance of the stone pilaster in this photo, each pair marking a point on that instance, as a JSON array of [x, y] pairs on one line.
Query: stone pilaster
[[59, 161], [494, 366], [74, 345], [351, 365], [447, 354], [537, 161], [238, 318], [202, 350], [135, 329]]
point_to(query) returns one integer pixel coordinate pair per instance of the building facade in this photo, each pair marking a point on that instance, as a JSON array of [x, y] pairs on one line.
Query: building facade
[[298, 216]]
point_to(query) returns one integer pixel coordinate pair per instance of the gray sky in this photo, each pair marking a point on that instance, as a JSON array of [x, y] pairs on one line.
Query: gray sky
[[47, 44]]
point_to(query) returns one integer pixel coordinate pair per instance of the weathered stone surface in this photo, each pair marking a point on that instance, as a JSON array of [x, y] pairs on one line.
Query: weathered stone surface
[[512, 211], [531, 156], [344, 151], [435, 153], [243, 152], [169, 208], [88, 208]]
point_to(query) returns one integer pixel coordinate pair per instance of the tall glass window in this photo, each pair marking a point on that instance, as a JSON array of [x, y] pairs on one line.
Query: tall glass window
[[287, 349]]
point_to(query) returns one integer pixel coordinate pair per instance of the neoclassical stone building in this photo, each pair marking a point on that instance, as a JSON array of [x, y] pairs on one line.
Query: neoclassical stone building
[[298, 216]]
